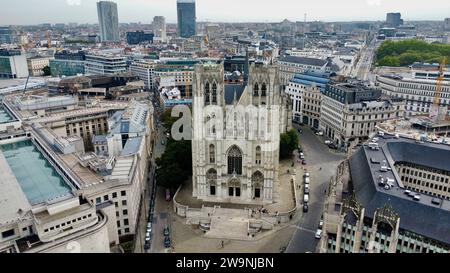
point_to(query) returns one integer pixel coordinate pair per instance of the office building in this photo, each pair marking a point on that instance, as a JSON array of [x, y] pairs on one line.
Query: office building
[[186, 18], [105, 64], [447, 24], [305, 90], [418, 91], [392, 196], [137, 37], [145, 71], [292, 65], [67, 64], [6, 35], [394, 19], [108, 20], [160, 28], [351, 111], [36, 65], [13, 64]]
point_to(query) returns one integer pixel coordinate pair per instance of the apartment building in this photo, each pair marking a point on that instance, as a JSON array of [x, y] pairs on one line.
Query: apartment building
[[105, 64]]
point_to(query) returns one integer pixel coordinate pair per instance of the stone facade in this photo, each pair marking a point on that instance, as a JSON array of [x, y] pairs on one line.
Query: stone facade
[[236, 142]]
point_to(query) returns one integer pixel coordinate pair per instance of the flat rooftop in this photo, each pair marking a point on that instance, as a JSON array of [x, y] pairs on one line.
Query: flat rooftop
[[4, 115], [37, 178]]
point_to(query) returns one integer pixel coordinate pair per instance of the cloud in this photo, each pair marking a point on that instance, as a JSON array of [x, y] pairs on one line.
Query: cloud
[[374, 2]]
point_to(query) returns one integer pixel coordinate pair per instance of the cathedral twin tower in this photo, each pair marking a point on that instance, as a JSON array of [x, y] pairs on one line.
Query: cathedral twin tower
[[236, 134]]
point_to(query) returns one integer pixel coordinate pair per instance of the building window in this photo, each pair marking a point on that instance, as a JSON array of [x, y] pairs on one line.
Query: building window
[[125, 212], [258, 155], [98, 200], [124, 202], [214, 93], [207, 93], [123, 193], [235, 161], [106, 197], [125, 222], [114, 195], [212, 154], [127, 230]]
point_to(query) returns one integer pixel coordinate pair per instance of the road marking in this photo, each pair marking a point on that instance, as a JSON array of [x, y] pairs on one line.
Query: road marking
[[303, 229]]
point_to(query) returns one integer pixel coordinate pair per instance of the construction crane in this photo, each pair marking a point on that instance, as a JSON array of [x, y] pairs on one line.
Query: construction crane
[[434, 111]]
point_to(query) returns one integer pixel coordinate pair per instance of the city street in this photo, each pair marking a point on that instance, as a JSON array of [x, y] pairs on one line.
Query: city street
[[158, 150], [322, 164], [362, 71]]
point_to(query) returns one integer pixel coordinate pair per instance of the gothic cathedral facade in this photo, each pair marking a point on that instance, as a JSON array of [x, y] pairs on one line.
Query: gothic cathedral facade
[[236, 134]]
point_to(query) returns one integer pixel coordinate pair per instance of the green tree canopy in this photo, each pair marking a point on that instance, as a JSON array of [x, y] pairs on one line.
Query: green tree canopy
[[404, 53], [288, 143]]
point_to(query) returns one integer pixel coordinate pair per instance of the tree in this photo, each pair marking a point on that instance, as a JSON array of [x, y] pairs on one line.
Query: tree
[[175, 165], [47, 71], [288, 143]]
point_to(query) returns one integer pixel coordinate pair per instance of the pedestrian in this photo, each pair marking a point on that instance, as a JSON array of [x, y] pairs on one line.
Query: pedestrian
[[222, 244]]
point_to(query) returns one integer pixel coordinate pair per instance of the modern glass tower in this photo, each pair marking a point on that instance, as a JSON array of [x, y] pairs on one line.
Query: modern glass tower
[[108, 20], [186, 18]]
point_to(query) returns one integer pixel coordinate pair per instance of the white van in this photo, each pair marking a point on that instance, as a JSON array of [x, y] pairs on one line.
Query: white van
[[306, 198]]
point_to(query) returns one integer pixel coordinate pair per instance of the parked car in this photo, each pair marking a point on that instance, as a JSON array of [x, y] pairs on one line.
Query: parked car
[[306, 175], [305, 207], [307, 180], [166, 231], [328, 142], [319, 133], [320, 224], [306, 190], [306, 198], [303, 162], [147, 245], [318, 234], [302, 156], [307, 186], [167, 242]]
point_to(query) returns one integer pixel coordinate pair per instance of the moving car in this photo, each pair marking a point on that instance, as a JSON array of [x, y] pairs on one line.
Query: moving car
[[318, 234]]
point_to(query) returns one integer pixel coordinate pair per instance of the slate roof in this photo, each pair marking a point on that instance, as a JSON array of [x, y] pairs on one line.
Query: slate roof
[[421, 217]]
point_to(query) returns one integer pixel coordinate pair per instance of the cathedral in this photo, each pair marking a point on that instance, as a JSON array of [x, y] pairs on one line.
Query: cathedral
[[236, 134]]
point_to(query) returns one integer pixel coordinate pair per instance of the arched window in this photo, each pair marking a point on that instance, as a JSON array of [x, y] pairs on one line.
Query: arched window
[[212, 154], [256, 90], [234, 188], [235, 161], [263, 90], [257, 184], [258, 155], [207, 93], [214, 93], [211, 179]]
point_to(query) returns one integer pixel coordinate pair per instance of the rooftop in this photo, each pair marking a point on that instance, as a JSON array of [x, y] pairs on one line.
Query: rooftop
[[422, 216], [38, 180]]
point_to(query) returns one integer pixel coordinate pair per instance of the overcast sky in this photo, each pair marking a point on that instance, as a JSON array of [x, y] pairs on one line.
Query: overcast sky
[[84, 11]]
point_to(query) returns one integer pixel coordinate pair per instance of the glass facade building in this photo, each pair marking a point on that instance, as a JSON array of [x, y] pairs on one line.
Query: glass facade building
[[108, 20], [186, 18]]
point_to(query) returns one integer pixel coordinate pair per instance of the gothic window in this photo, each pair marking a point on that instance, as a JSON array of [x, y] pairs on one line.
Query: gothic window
[[207, 93], [263, 90], [235, 161], [258, 155], [212, 154], [257, 184], [256, 90], [214, 93], [211, 178]]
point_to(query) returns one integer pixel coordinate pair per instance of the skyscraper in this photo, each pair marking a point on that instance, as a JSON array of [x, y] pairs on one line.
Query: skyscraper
[[447, 24], [186, 18], [394, 19], [108, 19], [159, 28]]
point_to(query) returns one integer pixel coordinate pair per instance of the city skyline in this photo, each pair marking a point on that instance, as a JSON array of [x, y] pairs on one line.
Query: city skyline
[[84, 11]]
